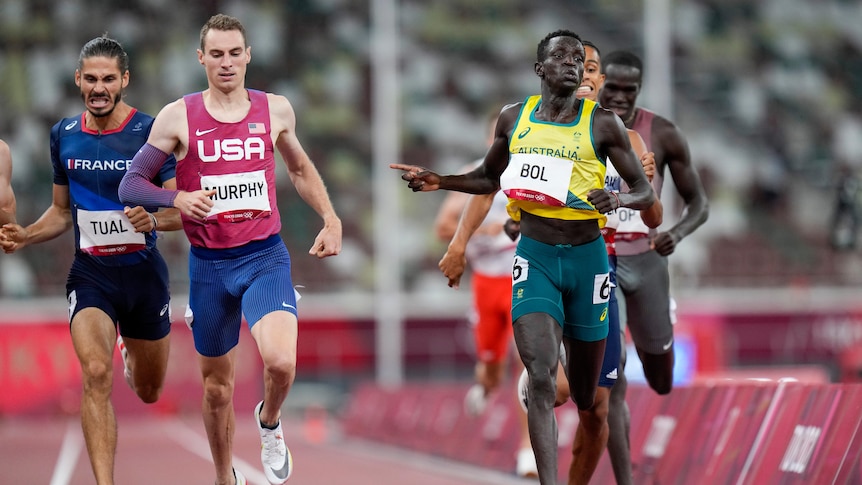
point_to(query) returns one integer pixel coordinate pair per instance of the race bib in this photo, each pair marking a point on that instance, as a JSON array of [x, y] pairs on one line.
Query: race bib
[[631, 222], [520, 269], [601, 288], [537, 178], [625, 220], [108, 233], [239, 196]]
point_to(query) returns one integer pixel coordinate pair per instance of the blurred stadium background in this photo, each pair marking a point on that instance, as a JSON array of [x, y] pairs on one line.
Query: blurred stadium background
[[766, 92]]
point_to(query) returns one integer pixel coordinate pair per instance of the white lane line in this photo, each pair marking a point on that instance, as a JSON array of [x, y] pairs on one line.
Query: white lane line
[[198, 444], [70, 450]]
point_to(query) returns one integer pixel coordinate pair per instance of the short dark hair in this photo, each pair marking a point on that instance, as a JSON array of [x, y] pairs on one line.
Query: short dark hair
[[104, 46], [224, 23], [543, 44], [623, 58], [587, 43]]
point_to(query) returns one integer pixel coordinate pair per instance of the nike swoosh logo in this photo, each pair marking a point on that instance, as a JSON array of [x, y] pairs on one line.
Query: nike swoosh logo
[[283, 472], [204, 132], [667, 345]]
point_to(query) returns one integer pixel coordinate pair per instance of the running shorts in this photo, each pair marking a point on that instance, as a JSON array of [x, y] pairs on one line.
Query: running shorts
[[136, 297], [251, 282], [570, 283], [645, 285], [613, 346], [492, 316]]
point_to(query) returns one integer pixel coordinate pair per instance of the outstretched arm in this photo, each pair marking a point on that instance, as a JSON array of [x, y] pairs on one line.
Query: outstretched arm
[[484, 179], [305, 177]]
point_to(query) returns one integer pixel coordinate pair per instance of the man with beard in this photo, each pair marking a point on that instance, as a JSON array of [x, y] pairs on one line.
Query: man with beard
[[118, 283]]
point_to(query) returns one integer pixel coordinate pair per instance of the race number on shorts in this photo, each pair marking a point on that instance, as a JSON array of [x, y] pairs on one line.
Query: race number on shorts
[[601, 288]]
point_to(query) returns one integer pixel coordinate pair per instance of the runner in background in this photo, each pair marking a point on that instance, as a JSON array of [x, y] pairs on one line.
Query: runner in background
[[642, 265], [489, 253]]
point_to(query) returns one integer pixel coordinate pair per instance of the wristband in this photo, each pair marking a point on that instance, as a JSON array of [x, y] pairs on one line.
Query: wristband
[[155, 221], [616, 197]]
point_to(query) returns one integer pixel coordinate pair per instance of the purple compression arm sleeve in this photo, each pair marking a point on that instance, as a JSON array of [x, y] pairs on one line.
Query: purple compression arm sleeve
[[136, 187]]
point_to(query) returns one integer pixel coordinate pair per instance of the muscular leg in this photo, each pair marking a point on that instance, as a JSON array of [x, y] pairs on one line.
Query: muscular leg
[[94, 336], [275, 335], [658, 370], [591, 437], [619, 418], [537, 336], [529, 460], [645, 283], [563, 392], [148, 379], [584, 367], [218, 414]]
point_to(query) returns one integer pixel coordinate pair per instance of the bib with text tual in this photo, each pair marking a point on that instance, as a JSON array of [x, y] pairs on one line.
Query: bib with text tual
[[108, 233]]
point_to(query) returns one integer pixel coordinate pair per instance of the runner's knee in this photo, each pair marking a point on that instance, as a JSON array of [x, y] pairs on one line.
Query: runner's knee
[[148, 393], [542, 386], [97, 375]]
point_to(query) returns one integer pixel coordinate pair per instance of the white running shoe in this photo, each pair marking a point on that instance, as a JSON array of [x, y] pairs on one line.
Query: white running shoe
[[526, 463], [276, 459], [475, 401], [240, 479], [523, 390], [124, 353]]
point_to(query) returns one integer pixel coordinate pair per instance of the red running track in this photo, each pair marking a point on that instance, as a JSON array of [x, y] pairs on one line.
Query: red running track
[[174, 450]]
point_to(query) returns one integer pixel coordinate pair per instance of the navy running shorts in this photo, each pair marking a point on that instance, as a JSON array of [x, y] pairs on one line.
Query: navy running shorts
[[613, 347], [136, 297]]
